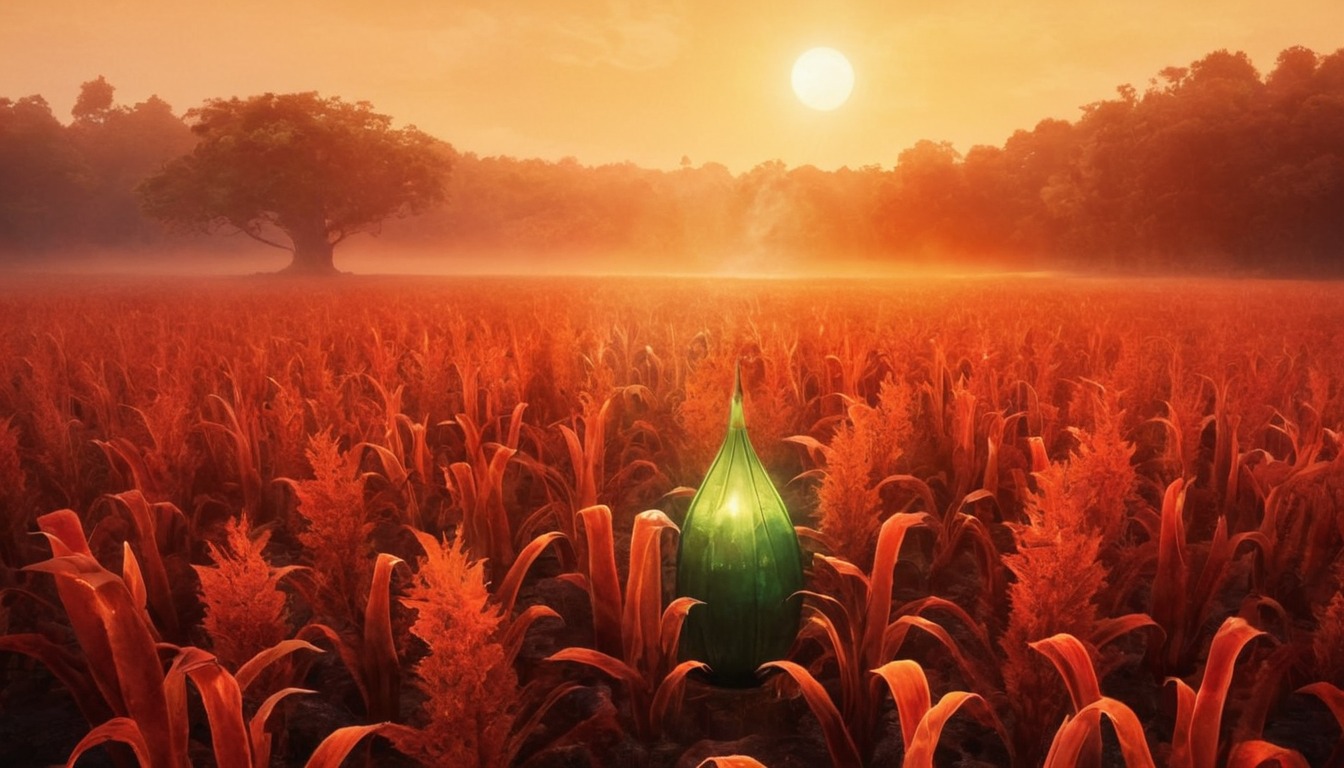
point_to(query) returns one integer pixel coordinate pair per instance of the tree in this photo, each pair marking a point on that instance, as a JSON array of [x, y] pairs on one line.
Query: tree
[[39, 175], [119, 147], [95, 100], [298, 167], [922, 211]]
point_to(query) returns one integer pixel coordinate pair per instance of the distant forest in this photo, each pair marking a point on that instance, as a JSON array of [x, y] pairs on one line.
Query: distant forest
[[1212, 166]]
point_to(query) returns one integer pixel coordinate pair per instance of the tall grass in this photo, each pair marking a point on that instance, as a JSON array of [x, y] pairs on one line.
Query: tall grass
[[1149, 470]]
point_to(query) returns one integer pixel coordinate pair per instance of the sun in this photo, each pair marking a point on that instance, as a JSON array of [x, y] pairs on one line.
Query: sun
[[823, 78]]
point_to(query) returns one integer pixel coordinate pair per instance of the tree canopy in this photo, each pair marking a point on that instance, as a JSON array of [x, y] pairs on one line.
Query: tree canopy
[[71, 186], [297, 172]]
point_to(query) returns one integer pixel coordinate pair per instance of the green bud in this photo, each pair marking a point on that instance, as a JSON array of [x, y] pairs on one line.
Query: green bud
[[739, 555]]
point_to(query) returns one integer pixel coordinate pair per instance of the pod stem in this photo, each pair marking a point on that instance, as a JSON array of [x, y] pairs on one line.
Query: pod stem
[[736, 419]]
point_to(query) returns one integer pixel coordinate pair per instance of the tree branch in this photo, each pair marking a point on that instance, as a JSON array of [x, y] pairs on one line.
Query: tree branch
[[255, 236]]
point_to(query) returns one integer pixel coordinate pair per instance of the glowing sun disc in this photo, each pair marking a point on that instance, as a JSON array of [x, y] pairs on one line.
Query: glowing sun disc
[[823, 78]]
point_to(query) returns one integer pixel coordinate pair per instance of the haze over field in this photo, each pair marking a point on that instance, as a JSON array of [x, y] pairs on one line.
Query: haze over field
[[587, 138]]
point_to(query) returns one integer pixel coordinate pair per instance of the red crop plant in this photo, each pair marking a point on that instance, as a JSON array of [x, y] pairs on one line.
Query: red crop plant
[[1048, 521]]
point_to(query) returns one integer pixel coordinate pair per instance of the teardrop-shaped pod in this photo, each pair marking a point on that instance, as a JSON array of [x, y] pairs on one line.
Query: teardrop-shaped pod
[[738, 555]]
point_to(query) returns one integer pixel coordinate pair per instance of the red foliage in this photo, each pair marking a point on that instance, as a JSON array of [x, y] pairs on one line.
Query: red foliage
[[467, 677], [244, 607], [1059, 575], [1183, 440], [335, 535]]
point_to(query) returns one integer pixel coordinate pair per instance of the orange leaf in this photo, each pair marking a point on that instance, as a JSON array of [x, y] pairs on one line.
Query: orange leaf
[[1332, 696], [497, 519], [121, 448], [889, 539], [347, 651], [816, 450], [155, 575], [513, 580], [669, 694], [845, 568], [1169, 584], [256, 727], [517, 629], [644, 592], [895, 636], [912, 483], [381, 668], [1040, 460], [119, 729], [223, 703], [1106, 631], [1185, 713], [130, 573], [611, 665], [1080, 732], [1254, 753], [821, 540], [1221, 551], [1207, 715], [117, 643], [523, 729], [1074, 665], [846, 665], [844, 754], [65, 532], [604, 587], [730, 761], [253, 667], [680, 492], [930, 730], [918, 607], [910, 690], [834, 612], [674, 617], [515, 426], [334, 749]]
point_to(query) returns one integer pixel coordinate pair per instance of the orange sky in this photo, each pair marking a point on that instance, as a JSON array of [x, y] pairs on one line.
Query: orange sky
[[650, 81]]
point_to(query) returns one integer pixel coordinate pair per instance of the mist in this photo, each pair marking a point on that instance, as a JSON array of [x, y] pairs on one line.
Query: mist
[[1214, 169]]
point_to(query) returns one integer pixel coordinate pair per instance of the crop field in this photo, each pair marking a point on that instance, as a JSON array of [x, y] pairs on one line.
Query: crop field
[[435, 521]]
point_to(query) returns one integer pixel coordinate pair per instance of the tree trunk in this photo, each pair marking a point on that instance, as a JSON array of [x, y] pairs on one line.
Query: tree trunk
[[314, 259], [312, 254]]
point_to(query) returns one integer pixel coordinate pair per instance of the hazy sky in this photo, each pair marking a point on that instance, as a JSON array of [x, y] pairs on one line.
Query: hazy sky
[[650, 81]]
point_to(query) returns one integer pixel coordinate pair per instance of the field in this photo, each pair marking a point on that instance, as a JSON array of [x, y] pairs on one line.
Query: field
[[252, 521]]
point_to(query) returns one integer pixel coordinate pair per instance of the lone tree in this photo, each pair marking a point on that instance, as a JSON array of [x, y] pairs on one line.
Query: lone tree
[[297, 167]]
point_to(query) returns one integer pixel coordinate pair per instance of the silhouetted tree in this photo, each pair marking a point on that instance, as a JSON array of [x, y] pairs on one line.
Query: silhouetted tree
[[118, 148], [39, 172], [94, 100], [923, 208], [1033, 161], [297, 167]]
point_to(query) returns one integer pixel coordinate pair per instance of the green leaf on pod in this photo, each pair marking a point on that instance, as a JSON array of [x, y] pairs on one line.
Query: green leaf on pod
[[739, 555]]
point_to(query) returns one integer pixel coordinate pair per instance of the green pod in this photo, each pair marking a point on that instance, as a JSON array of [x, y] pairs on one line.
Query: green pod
[[738, 555]]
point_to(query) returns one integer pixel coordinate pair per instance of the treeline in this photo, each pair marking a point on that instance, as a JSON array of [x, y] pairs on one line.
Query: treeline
[[70, 185], [1211, 166]]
